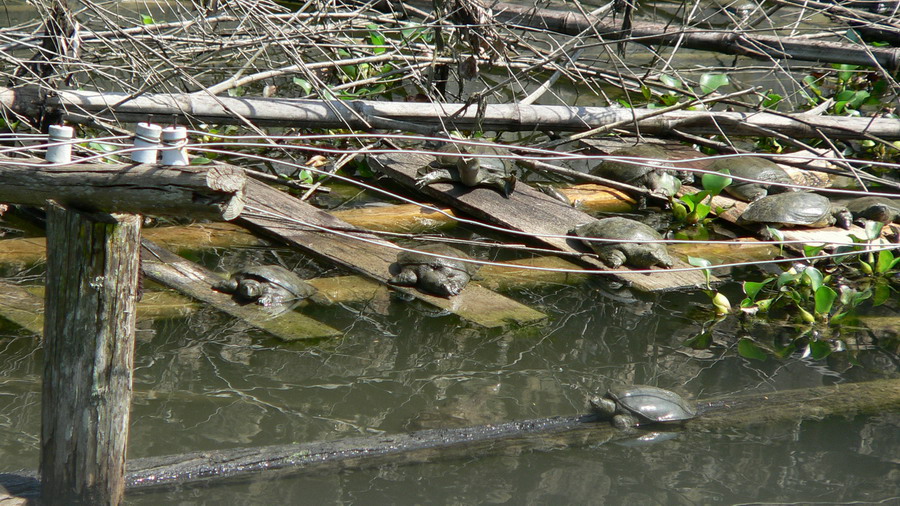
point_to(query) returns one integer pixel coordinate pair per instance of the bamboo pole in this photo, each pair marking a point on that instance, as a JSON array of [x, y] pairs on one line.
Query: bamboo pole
[[427, 117]]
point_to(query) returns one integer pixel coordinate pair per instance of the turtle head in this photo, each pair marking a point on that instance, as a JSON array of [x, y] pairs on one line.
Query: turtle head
[[842, 217], [443, 282], [226, 286], [406, 277], [602, 406], [663, 183], [250, 289]]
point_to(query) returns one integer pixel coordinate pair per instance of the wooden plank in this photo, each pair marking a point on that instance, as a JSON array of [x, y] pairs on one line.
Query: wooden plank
[[195, 281], [532, 212], [299, 224]]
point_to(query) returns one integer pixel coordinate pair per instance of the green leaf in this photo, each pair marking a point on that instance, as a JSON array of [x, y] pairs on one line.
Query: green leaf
[[813, 84], [764, 304], [645, 91], [303, 84], [873, 230], [714, 183], [882, 292], [786, 278], [812, 251], [885, 261], [200, 160], [701, 341], [805, 316], [752, 288], [775, 233], [711, 82], [147, 19], [669, 81], [701, 262], [858, 99], [819, 349], [772, 100], [824, 299], [749, 349], [813, 277]]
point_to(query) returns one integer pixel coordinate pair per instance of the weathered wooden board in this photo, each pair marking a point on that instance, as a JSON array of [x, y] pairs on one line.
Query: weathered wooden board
[[531, 212], [297, 223], [21, 307], [194, 280]]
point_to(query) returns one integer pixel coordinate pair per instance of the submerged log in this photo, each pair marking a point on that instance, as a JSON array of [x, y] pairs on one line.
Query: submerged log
[[369, 115], [511, 438], [213, 192]]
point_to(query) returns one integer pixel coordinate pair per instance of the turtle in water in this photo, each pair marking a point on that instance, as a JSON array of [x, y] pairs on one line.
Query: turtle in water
[[266, 285], [630, 406], [619, 252], [752, 167], [880, 209], [439, 276], [654, 174], [798, 208], [465, 165]]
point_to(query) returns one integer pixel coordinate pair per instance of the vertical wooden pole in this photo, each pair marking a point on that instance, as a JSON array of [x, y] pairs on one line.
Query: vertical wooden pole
[[92, 274]]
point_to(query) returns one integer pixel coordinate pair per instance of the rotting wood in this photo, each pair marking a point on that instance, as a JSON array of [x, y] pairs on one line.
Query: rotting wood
[[198, 191], [195, 281], [531, 212], [511, 438], [370, 115], [92, 277], [299, 224]]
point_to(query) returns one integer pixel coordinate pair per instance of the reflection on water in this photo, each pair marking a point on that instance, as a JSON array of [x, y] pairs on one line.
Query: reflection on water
[[208, 382]]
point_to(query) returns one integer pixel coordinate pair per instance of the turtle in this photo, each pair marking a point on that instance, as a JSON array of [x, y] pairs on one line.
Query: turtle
[[445, 277], [630, 406], [752, 167], [618, 252], [656, 175], [266, 285], [880, 209], [462, 164], [799, 208]]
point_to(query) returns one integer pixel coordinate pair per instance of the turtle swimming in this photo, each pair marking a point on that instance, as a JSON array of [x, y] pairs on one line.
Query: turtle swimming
[[466, 165], [619, 252], [435, 275], [630, 406], [266, 285]]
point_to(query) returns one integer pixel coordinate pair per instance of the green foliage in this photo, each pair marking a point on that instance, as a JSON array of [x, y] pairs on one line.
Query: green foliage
[[711, 82]]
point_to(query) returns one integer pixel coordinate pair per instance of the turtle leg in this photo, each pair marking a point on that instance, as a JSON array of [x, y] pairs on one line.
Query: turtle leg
[[842, 217], [613, 258], [435, 176], [623, 421]]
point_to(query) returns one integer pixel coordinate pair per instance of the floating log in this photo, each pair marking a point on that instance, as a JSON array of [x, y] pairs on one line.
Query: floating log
[[301, 225], [514, 438], [531, 212], [195, 281], [367, 115], [212, 192]]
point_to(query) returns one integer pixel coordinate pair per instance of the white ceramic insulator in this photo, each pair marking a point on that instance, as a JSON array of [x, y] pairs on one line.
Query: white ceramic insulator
[[61, 152], [146, 135], [174, 142]]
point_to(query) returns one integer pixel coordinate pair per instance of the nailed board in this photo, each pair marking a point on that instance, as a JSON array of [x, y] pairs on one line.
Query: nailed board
[[196, 281], [531, 212], [295, 222]]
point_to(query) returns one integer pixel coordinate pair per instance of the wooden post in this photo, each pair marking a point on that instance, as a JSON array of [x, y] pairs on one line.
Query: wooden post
[[92, 274]]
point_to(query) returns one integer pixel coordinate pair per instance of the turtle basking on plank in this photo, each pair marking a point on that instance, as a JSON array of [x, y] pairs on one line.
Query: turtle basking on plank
[[797, 208], [617, 252], [654, 174], [465, 165], [752, 167], [630, 406], [435, 275], [266, 285]]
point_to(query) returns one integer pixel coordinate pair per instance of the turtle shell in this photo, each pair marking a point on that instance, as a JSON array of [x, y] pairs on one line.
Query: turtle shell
[[414, 258], [656, 176], [752, 167], [652, 404], [275, 275], [624, 229], [795, 208]]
